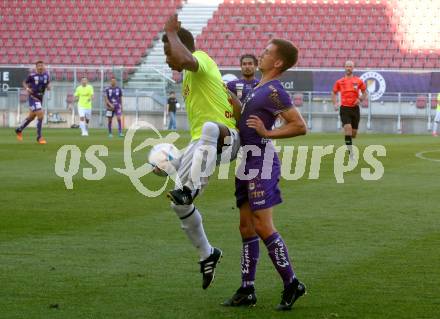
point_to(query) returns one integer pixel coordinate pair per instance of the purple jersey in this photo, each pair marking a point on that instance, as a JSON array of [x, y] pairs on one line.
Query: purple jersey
[[38, 83], [266, 102], [114, 95], [261, 191], [246, 87]]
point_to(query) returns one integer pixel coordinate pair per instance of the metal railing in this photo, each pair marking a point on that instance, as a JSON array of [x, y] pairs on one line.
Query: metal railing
[[394, 107]]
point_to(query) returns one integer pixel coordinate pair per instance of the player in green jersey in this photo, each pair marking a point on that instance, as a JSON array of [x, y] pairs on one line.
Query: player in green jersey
[[213, 135]]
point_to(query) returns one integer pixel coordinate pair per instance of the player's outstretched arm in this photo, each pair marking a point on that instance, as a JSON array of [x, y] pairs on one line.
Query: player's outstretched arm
[[295, 125], [179, 56]]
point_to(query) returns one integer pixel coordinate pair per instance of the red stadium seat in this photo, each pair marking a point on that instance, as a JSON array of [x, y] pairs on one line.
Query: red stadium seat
[[429, 63], [72, 26], [318, 27]]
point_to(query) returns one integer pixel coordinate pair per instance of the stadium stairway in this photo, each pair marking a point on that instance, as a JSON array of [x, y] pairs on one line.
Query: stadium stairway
[[153, 71]]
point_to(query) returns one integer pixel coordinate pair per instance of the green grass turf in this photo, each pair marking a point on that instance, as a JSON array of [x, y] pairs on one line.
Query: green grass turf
[[365, 249]]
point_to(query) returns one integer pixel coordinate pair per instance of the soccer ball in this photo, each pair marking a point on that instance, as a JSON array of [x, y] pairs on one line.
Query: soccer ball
[[161, 156]]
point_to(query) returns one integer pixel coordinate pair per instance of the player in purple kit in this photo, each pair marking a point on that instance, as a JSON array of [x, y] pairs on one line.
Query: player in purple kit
[[241, 87], [113, 102], [35, 85], [257, 191]]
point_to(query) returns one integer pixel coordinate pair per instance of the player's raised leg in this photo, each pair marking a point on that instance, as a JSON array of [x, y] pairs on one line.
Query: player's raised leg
[[192, 224], [18, 131], [214, 138]]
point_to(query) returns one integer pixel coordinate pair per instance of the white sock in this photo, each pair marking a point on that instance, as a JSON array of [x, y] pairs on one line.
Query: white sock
[[205, 156], [191, 223], [82, 125], [434, 129]]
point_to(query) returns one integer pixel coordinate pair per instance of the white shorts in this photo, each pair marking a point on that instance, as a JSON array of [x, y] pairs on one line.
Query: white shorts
[[87, 113], [437, 116], [229, 153]]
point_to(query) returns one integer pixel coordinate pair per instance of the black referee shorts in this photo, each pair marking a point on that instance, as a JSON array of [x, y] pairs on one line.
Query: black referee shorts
[[350, 115]]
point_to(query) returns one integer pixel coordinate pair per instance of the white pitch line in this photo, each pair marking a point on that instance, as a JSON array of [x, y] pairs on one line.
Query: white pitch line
[[420, 155]]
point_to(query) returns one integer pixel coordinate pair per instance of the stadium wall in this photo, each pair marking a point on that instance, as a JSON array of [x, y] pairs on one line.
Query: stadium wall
[[400, 101]]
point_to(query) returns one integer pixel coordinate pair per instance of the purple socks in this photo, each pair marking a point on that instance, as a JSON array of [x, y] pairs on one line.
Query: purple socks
[[39, 125], [119, 126], [249, 260], [24, 124], [280, 257]]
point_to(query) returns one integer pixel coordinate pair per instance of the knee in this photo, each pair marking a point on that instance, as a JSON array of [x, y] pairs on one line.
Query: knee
[[210, 130], [263, 230]]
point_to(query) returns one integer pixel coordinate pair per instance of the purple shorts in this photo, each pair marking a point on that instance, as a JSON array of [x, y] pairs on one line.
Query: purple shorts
[[117, 111], [34, 104], [261, 191]]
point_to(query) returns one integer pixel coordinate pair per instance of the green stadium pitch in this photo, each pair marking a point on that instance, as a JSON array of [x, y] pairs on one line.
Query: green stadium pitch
[[365, 249]]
